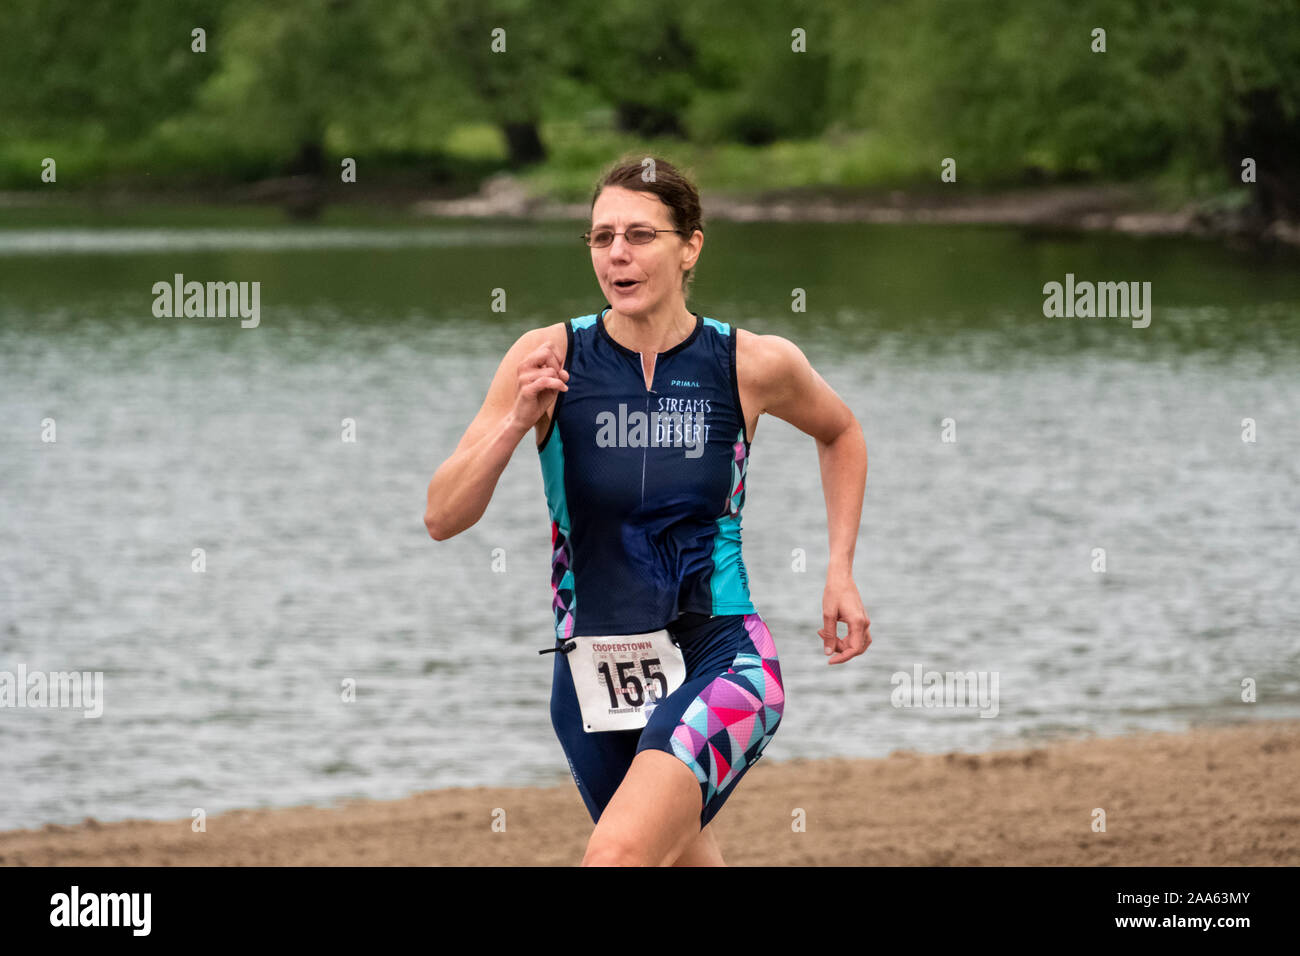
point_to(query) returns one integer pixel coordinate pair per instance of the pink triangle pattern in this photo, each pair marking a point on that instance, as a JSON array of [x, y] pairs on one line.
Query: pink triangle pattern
[[726, 727]]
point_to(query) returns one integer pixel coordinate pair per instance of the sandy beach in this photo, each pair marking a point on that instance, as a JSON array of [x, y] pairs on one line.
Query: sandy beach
[[1211, 796]]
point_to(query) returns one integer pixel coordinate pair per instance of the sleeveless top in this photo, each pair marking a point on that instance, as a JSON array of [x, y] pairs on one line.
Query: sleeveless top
[[645, 486]]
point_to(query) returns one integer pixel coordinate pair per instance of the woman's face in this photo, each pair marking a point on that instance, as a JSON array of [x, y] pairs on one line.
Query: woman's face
[[655, 267]]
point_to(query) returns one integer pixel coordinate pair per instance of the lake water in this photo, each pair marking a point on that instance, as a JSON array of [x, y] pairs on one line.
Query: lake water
[[222, 689]]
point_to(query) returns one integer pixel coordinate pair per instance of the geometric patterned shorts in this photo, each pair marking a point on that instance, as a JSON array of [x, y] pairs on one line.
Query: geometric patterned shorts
[[717, 722]]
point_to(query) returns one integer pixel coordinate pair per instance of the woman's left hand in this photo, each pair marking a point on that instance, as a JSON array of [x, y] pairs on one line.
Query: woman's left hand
[[841, 602]]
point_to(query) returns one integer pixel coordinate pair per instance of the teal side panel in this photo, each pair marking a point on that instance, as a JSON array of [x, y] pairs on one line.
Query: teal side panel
[[552, 458], [730, 582], [557, 503]]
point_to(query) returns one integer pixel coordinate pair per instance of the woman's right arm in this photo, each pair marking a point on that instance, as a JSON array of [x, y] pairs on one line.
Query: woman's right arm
[[529, 377]]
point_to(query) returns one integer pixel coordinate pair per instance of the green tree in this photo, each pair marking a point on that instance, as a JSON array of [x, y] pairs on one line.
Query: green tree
[[641, 58], [752, 85], [487, 60], [100, 71], [293, 71], [1193, 85]]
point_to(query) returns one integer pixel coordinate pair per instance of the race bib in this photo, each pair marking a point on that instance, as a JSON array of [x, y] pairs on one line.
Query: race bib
[[621, 679]]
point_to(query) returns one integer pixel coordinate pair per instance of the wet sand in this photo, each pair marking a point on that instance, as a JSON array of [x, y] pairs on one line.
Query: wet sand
[[1211, 796]]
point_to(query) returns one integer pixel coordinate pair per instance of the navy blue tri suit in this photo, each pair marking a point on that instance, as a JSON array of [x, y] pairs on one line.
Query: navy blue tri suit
[[645, 489]]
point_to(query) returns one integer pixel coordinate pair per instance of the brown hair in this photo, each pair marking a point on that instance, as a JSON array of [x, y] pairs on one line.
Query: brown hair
[[672, 188]]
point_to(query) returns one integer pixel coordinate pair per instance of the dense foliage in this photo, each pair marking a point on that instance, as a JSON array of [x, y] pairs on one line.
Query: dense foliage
[[1013, 92]]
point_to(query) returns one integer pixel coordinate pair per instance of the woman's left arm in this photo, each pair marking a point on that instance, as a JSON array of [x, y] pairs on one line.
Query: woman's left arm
[[791, 389]]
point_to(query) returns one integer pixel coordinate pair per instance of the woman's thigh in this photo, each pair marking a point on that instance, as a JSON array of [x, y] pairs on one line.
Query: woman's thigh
[[726, 712], [598, 761], [652, 819], [717, 723]]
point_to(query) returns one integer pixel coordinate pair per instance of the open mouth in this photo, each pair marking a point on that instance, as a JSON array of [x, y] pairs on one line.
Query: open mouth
[[625, 285]]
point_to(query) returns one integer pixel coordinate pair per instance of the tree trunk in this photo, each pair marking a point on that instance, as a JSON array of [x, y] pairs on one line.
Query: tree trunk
[[645, 120], [1266, 136], [310, 160], [523, 143]]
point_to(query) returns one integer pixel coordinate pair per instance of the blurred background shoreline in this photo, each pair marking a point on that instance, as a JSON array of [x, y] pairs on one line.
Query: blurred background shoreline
[[1122, 208]]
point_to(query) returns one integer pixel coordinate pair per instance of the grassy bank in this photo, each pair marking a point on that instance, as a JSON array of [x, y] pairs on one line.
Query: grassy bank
[[842, 161]]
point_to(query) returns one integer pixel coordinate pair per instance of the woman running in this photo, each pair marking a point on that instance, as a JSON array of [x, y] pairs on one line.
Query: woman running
[[666, 684]]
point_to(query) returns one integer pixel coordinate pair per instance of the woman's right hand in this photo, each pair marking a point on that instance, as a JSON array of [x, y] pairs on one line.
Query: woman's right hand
[[538, 379], [525, 382]]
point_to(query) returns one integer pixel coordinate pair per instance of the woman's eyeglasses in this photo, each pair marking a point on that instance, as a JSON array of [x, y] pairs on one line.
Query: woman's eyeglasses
[[637, 236]]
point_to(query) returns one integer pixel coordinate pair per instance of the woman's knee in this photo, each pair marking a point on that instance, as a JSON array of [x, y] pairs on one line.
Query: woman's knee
[[605, 850], [702, 851]]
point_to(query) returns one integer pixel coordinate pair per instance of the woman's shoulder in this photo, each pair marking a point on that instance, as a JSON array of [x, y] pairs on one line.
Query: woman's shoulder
[[761, 356], [553, 335], [769, 368]]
